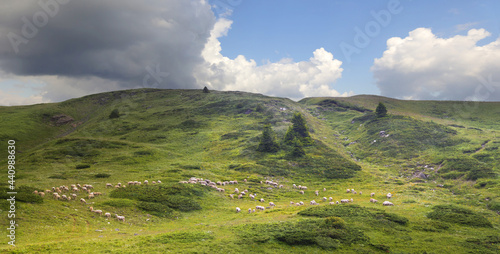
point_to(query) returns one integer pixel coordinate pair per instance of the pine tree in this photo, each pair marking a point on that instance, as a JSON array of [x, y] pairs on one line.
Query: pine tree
[[114, 114], [205, 90], [297, 148], [381, 110], [299, 130], [268, 141]]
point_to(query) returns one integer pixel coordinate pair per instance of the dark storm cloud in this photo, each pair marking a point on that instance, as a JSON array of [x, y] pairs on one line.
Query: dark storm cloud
[[157, 42]]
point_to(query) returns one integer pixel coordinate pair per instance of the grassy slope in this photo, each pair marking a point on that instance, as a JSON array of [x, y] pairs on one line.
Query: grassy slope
[[175, 134]]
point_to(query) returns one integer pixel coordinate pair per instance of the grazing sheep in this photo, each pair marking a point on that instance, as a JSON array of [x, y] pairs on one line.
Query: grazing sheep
[[252, 196], [238, 209], [360, 193], [354, 192], [324, 199], [337, 202], [73, 195], [95, 211], [108, 215], [373, 200], [42, 194], [301, 192], [301, 203], [130, 183], [35, 192], [253, 211], [236, 190], [294, 186], [271, 204], [48, 191], [154, 182], [313, 203], [387, 203], [332, 203], [343, 201], [245, 180], [83, 201], [291, 203], [372, 194], [316, 192], [158, 181], [97, 193], [240, 196], [330, 199], [389, 195], [262, 200], [120, 218], [352, 200], [324, 189], [231, 195], [109, 185], [348, 190], [91, 195], [281, 186]]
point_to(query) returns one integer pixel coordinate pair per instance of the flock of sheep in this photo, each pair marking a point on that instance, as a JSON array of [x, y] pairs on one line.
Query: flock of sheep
[[57, 194], [218, 186]]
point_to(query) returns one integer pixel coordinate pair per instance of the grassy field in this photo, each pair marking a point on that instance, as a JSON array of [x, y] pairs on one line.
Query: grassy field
[[438, 159]]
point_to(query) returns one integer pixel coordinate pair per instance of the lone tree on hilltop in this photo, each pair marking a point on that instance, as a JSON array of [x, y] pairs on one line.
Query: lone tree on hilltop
[[381, 110], [114, 114], [205, 90], [268, 142], [298, 130]]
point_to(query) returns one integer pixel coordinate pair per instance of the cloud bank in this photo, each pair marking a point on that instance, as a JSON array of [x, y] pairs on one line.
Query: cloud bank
[[285, 78], [76, 48], [423, 66]]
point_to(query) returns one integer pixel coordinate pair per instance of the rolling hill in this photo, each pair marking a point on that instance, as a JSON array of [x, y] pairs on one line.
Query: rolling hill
[[439, 159]]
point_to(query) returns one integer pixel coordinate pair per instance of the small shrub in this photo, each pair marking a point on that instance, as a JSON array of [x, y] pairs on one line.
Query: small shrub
[[114, 114], [458, 215], [334, 222], [102, 175], [82, 166]]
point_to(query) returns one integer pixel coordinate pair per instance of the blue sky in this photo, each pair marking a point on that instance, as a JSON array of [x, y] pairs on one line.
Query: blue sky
[[419, 50], [271, 30]]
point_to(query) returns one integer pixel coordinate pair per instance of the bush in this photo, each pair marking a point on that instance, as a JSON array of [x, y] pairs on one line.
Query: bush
[[114, 114], [458, 215], [102, 175], [82, 166]]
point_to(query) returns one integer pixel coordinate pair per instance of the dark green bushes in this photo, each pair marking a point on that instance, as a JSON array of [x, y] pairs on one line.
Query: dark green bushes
[[162, 200], [458, 215], [329, 233]]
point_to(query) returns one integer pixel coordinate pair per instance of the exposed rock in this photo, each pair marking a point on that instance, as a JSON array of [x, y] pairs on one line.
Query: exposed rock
[[61, 119]]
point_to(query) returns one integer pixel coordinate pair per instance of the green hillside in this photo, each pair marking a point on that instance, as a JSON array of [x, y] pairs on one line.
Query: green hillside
[[438, 159]]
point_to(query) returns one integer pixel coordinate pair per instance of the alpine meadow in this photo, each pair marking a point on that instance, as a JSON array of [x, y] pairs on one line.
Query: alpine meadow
[[193, 171]]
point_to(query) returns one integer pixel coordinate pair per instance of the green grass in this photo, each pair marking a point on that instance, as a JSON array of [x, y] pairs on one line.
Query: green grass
[[173, 135]]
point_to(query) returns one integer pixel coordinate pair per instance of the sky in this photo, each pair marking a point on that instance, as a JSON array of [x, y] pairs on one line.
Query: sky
[[54, 50]]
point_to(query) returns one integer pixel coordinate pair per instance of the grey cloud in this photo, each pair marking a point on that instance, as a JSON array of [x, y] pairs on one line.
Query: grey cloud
[[116, 40]]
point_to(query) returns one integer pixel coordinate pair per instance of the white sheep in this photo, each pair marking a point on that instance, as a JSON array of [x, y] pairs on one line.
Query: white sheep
[[344, 201], [108, 215], [83, 201], [146, 182], [301, 203], [120, 218], [291, 203], [348, 190], [387, 203], [313, 203], [389, 195], [301, 192], [332, 203], [360, 193], [352, 200], [373, 200], [324, 189], [158, 181], [324, 199], [337, 202], [231, 195], [252, 196], [240, 196], [262, 200], [316, 192], [42, 194], [249, 210], [354, 192], [95, 211], [330, 199], [109, 185], [372, 194], [238, 209], [271, 204]]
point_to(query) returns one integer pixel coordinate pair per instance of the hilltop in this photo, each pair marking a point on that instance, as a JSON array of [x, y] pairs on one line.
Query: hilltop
[[438, 158]]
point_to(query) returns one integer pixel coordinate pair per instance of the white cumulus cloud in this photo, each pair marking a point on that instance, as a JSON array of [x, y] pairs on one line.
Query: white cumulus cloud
[[284, 78], [424, 66]]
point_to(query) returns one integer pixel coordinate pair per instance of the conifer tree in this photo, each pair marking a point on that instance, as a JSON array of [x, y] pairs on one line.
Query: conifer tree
[[268, 142], [381, 110], [297, 148], [205, 90], [299, 130]]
